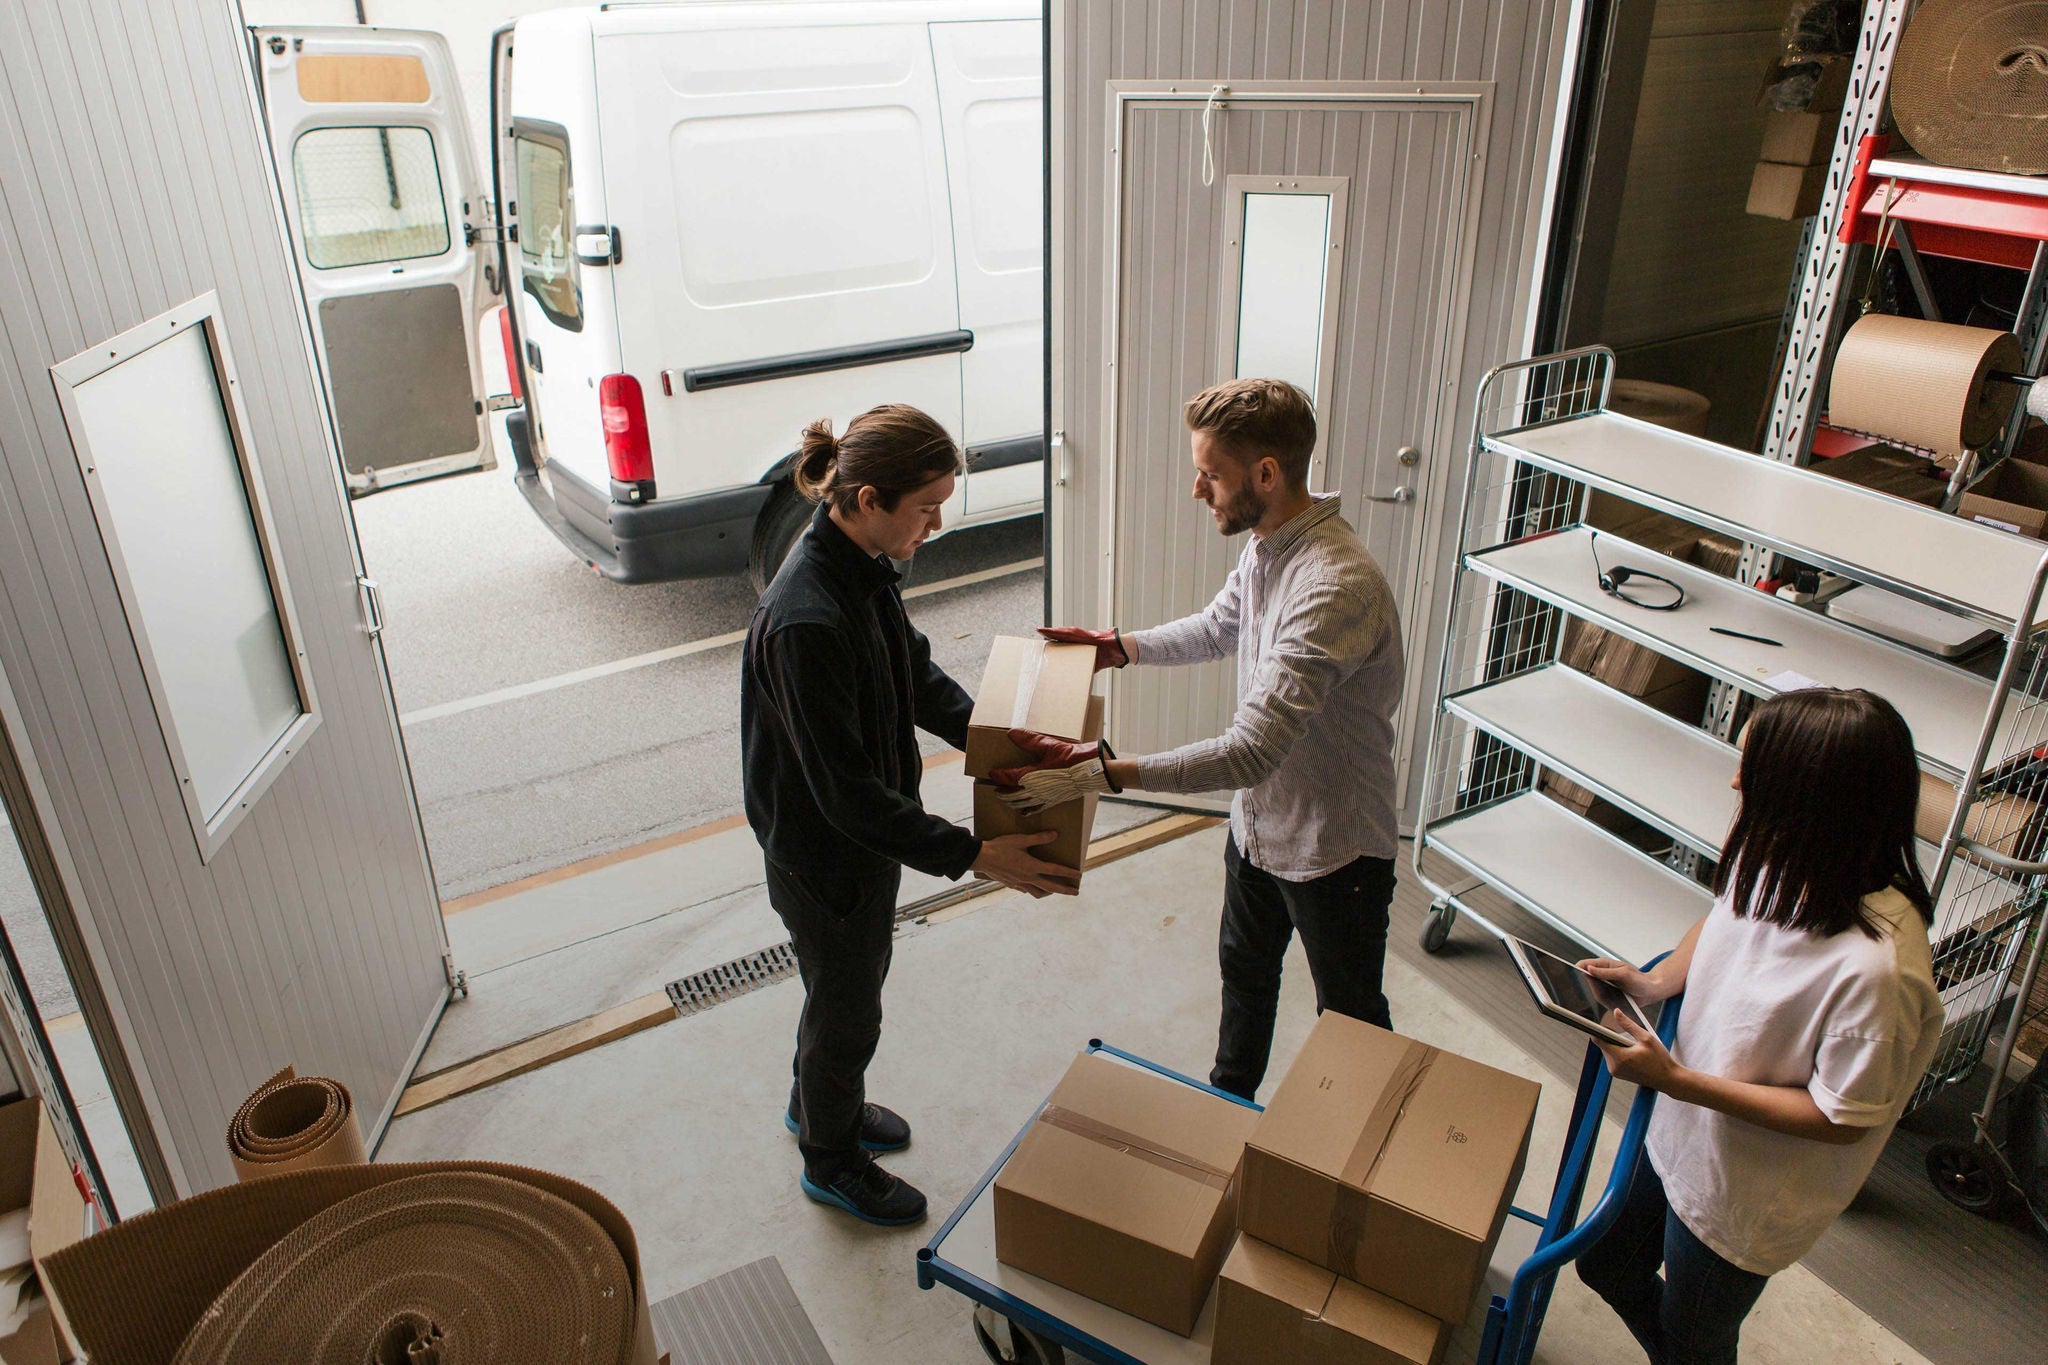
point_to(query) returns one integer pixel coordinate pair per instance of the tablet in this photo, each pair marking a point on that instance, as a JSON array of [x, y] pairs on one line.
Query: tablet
[[1564, 992]]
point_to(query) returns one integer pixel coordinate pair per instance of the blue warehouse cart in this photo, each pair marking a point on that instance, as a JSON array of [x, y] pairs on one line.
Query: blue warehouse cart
[[1020, 1319]]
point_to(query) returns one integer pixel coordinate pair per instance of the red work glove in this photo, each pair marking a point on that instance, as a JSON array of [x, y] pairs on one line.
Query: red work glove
[[1060, 771], [1109, 644]]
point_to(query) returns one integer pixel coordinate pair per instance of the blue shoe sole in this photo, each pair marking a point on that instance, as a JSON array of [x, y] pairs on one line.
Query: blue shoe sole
[[790, 1123], [821, 1195]]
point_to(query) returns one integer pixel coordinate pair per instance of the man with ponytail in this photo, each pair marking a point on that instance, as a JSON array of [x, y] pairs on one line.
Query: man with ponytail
[[834, 685]]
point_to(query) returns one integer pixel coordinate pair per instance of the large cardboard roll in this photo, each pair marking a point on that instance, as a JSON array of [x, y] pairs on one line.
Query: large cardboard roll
[[458, 1253], [294, 1123], [1970, 84], [1924, 384]]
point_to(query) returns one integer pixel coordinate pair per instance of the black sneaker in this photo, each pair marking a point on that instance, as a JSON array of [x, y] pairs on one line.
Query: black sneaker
[[869, 1193], [881, 1130]]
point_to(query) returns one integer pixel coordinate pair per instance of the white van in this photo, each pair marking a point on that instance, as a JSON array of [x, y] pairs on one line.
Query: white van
[[721, 221]]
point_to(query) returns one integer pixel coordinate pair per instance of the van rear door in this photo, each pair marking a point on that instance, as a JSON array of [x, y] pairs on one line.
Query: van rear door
[[788, 253], [382, 197]]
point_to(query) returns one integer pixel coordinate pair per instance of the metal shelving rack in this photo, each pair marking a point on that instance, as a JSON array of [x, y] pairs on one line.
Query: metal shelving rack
[[1509, 710]]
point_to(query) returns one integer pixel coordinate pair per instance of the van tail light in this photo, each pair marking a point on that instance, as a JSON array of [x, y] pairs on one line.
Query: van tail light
[[511, 353], [625, 431]]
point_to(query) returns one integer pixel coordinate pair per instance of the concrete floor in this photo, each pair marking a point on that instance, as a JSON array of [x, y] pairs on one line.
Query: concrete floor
[[680, 1125]]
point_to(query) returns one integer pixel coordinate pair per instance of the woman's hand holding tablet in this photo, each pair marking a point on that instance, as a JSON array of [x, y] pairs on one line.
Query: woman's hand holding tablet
[[1579, 997]]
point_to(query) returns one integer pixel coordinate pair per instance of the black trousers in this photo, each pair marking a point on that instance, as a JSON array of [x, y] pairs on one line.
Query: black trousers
[[841, 929], [1342, 919]]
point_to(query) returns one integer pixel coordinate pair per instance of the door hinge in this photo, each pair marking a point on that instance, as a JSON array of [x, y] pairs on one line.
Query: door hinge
[[373, 606], [597, 244], [458, 980]]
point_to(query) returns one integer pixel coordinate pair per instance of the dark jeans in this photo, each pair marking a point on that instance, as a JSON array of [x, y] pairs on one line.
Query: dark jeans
[[1342, 919], [841, 929], [1693, 1312]]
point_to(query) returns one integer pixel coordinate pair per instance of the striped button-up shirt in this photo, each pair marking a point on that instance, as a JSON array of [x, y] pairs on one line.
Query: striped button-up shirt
[[1310, 751]]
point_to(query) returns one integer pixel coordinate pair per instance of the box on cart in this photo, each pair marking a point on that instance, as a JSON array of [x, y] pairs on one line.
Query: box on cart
[[1272, 1307], [1124, 1189], [1388, 1162]]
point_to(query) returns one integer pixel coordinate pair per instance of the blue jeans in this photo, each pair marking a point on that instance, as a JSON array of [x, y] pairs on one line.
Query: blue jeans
[[1692, 1313]]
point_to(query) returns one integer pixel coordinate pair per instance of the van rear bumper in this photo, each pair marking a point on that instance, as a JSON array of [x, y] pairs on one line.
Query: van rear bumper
[[706, 535]]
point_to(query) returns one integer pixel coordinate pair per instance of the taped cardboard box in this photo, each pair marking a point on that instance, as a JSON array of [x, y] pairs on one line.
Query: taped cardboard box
[[35, 1176], [1124, 1189], [1276, 1309], [1028, 685], [1073, 821], [1389, 1162]]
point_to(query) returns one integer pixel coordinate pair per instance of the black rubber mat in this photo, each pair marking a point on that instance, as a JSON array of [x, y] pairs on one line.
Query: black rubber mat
[[748, 1316]]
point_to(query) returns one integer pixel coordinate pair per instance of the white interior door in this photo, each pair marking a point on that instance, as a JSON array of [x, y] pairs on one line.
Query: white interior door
[[1328, 250], [384, 203]]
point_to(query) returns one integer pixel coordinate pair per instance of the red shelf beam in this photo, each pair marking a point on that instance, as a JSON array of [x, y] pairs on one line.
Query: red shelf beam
[[1963, 222]]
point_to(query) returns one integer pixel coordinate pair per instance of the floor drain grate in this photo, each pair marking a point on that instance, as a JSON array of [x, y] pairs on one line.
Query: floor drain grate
[[699, 991]]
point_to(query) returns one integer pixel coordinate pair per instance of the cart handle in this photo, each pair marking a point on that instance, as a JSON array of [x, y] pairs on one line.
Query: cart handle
[[1588, 1110]]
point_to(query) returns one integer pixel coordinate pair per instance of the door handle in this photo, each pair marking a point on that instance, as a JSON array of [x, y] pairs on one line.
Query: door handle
[[533, 356], [373, 606], [1398, 495]]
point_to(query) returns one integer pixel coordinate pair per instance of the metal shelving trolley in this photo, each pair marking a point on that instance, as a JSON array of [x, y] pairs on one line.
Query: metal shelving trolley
[[1509, 710]]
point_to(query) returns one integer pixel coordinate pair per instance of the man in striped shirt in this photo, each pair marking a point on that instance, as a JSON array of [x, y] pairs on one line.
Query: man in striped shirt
[[1309, 754]]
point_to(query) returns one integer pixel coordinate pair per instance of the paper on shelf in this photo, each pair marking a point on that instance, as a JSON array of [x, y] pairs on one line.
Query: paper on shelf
[[1788, 681]]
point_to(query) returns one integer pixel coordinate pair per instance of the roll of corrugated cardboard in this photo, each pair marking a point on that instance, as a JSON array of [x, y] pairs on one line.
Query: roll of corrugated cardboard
[[451, 1267], [1667, 405], [1970, 84], [165, 1283], [1922, 384], [295, 1123]]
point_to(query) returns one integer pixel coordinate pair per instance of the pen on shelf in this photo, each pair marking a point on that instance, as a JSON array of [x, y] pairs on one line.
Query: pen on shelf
[[1742, 635]]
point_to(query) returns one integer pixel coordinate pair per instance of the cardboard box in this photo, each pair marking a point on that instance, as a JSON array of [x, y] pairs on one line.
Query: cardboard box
[[1028, 685], [1389, 1162], [2013, 497], [1786, 191], [1073, 821], [1888, 469], [1124, 1189], [36, 1175], [1799, 139], [1272, 1307]]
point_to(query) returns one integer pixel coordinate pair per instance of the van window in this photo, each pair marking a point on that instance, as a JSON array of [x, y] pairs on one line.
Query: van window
[[546, 261], [369, 195], [847, 207]]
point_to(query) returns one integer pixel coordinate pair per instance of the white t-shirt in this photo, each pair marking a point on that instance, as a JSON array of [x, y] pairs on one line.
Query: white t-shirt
[[1852, 1019]]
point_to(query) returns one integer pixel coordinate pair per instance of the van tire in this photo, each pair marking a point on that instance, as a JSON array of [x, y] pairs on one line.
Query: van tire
[[775, 534], [776, 531]]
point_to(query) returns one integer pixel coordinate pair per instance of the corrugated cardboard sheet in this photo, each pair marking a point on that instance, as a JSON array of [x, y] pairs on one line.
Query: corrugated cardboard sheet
[[292, 1123]]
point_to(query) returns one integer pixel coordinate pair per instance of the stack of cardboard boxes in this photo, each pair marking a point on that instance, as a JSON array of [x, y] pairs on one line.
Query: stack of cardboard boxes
[[1792, 165], [1032, 685], [1365, 1201]]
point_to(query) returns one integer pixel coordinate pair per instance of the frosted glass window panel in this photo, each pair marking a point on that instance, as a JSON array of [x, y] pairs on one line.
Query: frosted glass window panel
[[170, 483], [368, 195], [1283, 270]]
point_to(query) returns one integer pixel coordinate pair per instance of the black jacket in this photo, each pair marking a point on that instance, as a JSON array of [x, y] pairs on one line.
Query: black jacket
[[834, 681]]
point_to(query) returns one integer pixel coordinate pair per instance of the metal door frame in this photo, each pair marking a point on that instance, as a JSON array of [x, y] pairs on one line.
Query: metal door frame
[[1473, 99]]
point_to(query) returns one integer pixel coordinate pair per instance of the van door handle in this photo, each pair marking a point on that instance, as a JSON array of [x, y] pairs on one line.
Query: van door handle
[[596, 244], [533, 356], [373, 606]]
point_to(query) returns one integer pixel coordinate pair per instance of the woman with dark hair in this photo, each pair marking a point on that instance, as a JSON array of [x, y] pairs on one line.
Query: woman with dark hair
[[1810, 1014], [833, 687]]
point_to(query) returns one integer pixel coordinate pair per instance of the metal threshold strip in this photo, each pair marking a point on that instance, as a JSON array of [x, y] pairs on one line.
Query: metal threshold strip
[[713, 986]]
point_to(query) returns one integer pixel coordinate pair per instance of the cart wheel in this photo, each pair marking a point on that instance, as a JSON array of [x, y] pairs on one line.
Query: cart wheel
[[1006, 1343], [1436, 926], [1965, 1178]]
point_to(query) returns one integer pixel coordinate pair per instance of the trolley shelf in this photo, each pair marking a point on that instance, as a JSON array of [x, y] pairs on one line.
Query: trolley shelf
[[1660, 769], [1912, 550], [1580, 879], [1944, 705]]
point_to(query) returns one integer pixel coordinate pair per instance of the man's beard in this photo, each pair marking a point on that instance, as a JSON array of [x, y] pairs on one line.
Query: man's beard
[[1245, 510]]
